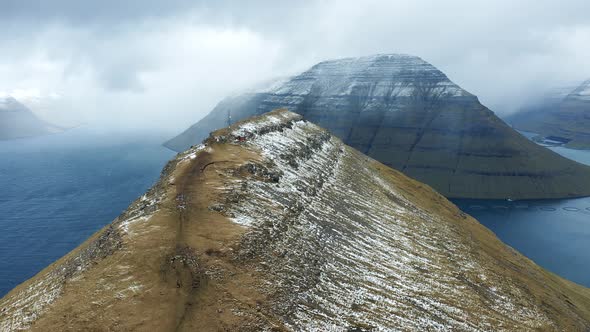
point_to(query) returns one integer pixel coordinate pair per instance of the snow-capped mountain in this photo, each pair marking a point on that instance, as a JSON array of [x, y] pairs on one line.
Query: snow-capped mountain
[[404, 112], [388, 76]]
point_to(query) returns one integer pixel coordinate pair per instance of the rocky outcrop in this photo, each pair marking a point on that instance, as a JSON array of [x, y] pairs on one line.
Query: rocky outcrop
[[566, 119], [274, 224], [408, 115], [17, 121]]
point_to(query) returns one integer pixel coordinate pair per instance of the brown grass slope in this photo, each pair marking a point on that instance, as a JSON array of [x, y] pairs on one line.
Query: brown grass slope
[[274, 224]]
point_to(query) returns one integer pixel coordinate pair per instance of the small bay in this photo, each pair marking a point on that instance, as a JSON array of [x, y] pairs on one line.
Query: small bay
[[553, 233]]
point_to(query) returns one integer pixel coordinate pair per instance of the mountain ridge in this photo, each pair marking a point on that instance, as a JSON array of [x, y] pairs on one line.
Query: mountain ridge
[[267, 226]]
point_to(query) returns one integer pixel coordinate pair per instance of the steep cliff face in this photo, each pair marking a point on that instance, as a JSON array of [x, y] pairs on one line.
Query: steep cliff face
[[567, 119], [17, 121], [275, 224], [408, 115]]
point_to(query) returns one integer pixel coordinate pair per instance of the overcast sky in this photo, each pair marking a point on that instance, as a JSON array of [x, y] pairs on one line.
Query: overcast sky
[[164, 64]]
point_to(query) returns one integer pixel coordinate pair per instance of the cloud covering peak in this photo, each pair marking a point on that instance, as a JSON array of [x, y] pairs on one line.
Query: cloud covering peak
[[164, 64]]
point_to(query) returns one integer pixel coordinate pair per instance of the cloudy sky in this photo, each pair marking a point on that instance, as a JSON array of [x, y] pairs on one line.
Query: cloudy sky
[[164, 64]]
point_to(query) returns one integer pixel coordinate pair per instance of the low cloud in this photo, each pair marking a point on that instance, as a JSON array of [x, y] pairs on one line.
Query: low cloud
[[163, 65]]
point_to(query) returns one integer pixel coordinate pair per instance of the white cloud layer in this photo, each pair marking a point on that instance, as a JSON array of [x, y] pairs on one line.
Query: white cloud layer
[[164, 64]]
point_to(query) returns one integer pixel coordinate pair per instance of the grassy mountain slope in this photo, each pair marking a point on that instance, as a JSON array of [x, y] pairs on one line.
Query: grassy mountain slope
[[275, 224]]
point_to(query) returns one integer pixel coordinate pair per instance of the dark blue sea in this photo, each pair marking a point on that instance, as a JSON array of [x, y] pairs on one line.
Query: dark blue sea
[[56, 191], [553, 233]]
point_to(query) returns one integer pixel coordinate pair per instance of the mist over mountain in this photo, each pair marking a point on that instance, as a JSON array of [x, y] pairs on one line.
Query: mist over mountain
[[563, 117], [18, 121], [404, 112], [156, 64]]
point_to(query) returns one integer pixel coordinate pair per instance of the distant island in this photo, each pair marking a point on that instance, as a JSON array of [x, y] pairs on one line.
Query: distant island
[[18, 121], [559, 120]]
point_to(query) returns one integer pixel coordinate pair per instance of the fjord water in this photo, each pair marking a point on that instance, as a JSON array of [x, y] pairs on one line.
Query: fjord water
[[56, 191], [553, 233]]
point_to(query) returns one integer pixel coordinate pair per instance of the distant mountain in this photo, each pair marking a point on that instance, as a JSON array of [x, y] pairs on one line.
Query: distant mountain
[[17, 121], [565, 119], [275, 225], [404, 112]]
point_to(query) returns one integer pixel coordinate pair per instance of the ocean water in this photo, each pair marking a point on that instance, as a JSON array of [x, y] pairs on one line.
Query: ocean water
[[56, 191], [553, 233]]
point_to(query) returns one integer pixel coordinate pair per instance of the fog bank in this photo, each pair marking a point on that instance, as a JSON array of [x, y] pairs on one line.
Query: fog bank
[[163, 65]]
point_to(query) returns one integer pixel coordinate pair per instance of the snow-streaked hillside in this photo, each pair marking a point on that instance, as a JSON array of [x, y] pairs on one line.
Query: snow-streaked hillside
[[275, 224]]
